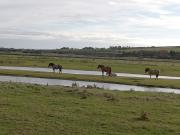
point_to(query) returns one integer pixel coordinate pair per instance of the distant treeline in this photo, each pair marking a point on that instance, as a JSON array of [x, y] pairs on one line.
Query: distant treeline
[[114, 52]]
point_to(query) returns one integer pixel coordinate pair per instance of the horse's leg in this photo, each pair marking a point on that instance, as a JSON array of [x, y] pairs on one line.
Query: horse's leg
[[109, 73], [102, 73], [157, 76], [60, 70]]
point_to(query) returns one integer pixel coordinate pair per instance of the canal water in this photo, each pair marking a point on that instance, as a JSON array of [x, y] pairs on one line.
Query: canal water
[[83, 72], [108, 86]]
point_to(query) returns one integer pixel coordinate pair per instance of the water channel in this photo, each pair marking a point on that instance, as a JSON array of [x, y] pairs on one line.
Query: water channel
[[108, 86]]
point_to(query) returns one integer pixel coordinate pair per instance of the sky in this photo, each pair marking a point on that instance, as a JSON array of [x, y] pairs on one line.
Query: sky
[[51, 24]]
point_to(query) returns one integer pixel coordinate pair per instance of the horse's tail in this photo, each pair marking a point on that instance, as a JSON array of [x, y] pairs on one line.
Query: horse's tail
[[110, 71]]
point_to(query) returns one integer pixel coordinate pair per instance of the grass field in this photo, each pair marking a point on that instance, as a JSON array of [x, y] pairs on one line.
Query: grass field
[[43, 110], [167, 67], [118, 80]]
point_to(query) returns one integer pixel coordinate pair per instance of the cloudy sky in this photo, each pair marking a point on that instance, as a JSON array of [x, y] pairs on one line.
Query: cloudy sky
[[96, 23]]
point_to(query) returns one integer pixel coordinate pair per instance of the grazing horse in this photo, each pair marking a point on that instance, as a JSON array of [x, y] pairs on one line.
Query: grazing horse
[[152, 72], [105, 69], [54, 67]]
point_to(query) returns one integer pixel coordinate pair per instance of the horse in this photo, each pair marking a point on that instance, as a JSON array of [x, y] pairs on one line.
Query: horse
[[152, 72], [54, 67], [105, 69]]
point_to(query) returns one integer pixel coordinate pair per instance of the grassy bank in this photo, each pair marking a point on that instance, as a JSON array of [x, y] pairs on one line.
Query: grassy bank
[[118, 80], [43, 110], [167, 67]]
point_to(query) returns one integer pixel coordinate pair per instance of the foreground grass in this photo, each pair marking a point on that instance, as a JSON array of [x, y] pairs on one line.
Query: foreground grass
[[33, 109], [167, 67], [118, 80]]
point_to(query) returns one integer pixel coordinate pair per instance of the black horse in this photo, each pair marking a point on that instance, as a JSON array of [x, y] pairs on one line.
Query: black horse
[[152, 72], [54, 67], [106, 69]]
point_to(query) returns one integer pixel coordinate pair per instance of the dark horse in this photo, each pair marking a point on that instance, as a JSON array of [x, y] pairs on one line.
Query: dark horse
[[54, 67], [105, 69], [152, 72]]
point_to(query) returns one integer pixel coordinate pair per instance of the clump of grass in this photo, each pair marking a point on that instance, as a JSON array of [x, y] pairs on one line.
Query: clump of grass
[[131, 90], [110, 97], [75, 85], [83, 94], [95, 86], [91, 86], [144, 116]]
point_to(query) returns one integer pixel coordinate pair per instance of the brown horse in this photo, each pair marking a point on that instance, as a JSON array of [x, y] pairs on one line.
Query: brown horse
[[105, 69], [54, 67], [152, 72]]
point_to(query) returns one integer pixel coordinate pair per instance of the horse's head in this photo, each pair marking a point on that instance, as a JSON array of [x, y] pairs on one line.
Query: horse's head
[[51, 65], [147, 70], [60, 67], [99, 66]]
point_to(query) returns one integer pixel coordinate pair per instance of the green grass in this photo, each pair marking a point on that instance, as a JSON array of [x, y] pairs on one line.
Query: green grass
[[167, 67], [118, 80], [46, 110]]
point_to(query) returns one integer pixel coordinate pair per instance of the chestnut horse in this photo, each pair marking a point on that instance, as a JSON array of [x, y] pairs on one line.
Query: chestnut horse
[[54, 67], [105, 69], [152, 72]]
